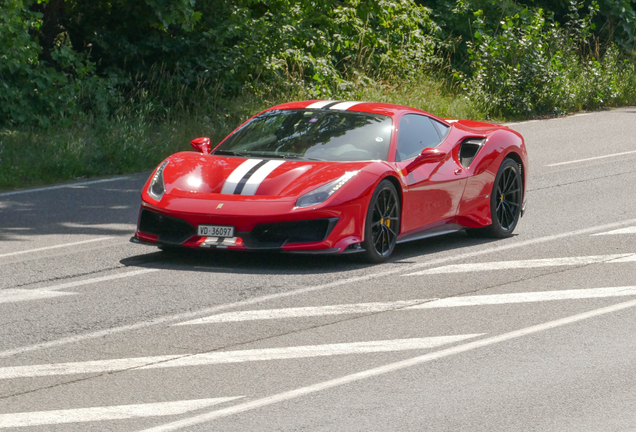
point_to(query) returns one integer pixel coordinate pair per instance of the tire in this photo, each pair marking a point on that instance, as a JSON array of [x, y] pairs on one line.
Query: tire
[[505, 202], [382, 224]]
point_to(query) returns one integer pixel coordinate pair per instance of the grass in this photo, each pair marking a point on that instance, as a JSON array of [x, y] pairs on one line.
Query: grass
[[130, 142], [142, 134], [143, 131]]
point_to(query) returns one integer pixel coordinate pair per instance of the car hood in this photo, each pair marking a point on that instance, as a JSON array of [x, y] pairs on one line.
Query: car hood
[[190, 174]]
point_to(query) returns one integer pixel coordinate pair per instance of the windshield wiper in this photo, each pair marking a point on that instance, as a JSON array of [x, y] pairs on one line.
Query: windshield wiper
[[290, 156], [230, 153]]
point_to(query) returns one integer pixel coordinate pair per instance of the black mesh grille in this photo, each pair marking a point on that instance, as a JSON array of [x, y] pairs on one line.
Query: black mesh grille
[[276, 235], [170, 230]]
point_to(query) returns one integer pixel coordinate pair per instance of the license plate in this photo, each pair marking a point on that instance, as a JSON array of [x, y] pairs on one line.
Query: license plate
[[215, 231]]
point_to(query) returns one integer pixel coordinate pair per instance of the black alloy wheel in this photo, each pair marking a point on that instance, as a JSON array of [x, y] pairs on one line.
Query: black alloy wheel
[[382, 223], [508, 198], [505, 202]]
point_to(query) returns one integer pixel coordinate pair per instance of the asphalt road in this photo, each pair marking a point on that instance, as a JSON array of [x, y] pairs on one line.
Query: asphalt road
[[536, 332]]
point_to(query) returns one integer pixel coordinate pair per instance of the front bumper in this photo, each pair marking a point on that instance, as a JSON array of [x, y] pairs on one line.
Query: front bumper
[[318, 231]]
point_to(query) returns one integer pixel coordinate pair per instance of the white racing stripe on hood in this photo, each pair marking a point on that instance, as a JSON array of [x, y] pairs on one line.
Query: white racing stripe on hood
[[320, 104], [345, 105], [233, 179], [261, 174]]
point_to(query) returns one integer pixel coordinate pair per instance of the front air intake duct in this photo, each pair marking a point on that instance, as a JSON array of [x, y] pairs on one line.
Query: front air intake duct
[[169, 229]]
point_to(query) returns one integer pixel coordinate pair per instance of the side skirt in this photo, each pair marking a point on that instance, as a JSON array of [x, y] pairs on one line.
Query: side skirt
[[431, 232]]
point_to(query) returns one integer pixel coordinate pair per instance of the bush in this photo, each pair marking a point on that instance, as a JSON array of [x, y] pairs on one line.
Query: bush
[[533, 66], [32, 90], [64, 58], [330, 46]]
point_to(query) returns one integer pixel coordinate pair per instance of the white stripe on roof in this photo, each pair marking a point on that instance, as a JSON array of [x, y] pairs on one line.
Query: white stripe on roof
[[320, 104], [345, 105]]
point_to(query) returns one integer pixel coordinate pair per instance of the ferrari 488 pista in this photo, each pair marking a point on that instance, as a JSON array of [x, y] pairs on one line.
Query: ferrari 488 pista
[[337, 177]]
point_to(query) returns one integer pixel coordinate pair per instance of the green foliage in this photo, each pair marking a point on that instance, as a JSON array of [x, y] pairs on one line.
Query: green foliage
[[430, 93], [519, 70], [130, 36], [107, 52], [131, 141], [30, 90], [256, 42], [122, 83], [533, 66], [128, 142], [329, 46], [615, 20], [68, 59]]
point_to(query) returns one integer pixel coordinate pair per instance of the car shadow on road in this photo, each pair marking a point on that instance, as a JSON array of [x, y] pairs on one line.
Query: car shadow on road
[[225, 261]]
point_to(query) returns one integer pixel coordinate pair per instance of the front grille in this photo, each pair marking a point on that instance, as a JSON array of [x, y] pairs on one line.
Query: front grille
[[170, 230], [276, 235]]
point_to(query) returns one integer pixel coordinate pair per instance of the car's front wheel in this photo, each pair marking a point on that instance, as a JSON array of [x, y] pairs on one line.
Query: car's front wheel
[[382, 224]]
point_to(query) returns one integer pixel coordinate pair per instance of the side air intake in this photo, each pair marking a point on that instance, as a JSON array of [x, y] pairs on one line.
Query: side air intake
[[469, 150]]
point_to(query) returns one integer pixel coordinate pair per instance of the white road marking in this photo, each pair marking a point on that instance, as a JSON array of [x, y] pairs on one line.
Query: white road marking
[[526, 264], [408, 305], [345, 281], [87, 367], [592, 158], [55, 247], [224, 357], [628, 230], [63, 186], [527, 297], [298, 312], [16, 295], [119, 412], [106, 226], [382, 370]]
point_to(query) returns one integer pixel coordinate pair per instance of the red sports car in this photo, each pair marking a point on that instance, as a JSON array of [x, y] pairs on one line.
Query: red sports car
[[337, 177]]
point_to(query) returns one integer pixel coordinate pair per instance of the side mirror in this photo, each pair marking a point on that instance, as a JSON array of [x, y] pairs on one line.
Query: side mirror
[[428, 155], [202, 145]]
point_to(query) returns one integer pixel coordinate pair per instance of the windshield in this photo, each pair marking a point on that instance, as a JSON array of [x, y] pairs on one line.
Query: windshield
[[327, 135]]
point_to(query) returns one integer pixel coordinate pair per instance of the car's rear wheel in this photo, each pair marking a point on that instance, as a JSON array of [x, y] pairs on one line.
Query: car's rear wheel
[[505, 202], [382, 224]]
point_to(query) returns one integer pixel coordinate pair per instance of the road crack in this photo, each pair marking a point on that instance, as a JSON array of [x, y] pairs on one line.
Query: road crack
[[581, 181]]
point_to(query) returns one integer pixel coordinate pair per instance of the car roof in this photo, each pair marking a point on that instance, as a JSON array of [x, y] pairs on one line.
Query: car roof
[[356, 106]]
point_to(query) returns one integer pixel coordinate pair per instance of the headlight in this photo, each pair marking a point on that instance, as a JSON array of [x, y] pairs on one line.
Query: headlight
[[321, 194], [157, 186]]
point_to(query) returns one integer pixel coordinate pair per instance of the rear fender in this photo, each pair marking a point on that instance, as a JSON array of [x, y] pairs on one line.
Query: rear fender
[[474, 208]]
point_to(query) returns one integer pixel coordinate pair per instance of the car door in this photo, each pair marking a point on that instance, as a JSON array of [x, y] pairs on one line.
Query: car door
[[433, 190]]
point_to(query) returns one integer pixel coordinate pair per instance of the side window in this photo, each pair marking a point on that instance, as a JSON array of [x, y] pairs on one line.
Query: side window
[[441, 128], [416, 132]]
